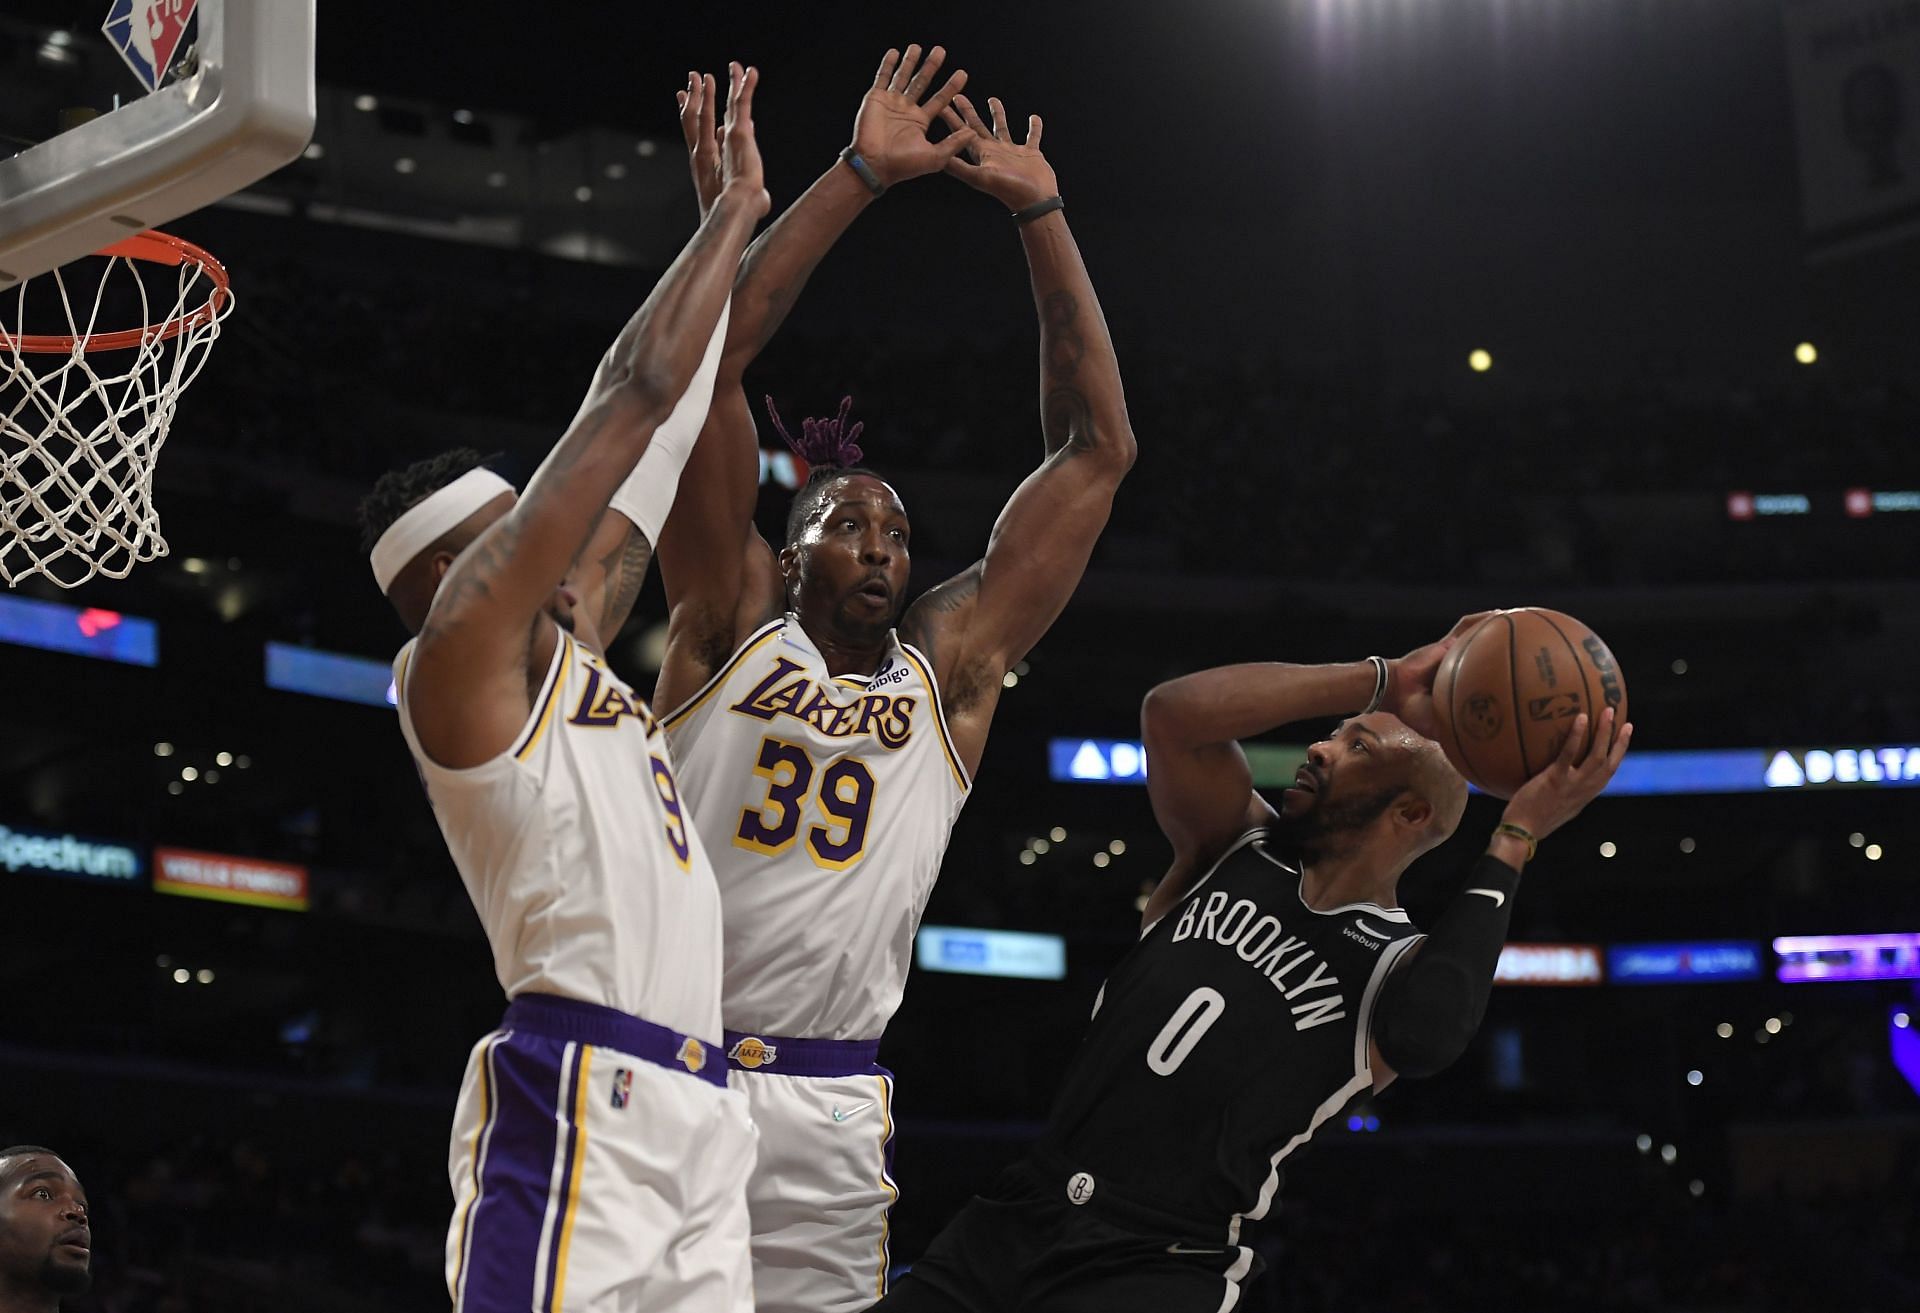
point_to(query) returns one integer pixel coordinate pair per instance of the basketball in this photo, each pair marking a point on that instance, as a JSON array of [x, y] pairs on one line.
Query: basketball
[[1507, 694]]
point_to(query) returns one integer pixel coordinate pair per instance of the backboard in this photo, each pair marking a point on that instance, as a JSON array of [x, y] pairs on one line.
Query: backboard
[[239, 106]]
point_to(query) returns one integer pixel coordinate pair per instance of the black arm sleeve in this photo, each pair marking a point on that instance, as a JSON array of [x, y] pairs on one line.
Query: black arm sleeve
[[1430, 1009]]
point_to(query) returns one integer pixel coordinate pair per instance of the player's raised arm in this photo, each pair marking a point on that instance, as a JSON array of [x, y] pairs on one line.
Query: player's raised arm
[[1197, 775], [976, 625], [470, 694], [721, 579], [1432, 1003]]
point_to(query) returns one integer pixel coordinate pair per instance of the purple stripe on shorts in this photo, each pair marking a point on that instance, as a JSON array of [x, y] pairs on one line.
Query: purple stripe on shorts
[[506, 1219], [569, 1088]]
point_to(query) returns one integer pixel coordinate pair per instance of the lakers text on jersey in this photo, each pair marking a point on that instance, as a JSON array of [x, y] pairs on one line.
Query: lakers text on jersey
[[826, 803], [578, 853]]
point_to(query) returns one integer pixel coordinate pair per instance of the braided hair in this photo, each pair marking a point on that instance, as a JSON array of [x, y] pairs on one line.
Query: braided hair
[[398, 491], [831, 449]]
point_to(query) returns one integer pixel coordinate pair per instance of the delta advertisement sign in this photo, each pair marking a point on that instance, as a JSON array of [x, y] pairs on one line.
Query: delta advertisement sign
[[229, 879]]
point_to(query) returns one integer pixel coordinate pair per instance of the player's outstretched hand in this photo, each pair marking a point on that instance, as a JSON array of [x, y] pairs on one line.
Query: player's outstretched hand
[[740, 171], [1575, 778], [1015, 174], [890, 131], [699, 113], [1409, 692]]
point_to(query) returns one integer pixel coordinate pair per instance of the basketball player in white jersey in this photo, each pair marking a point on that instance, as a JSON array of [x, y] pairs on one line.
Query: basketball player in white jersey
[[597, 1157], [826, 741]]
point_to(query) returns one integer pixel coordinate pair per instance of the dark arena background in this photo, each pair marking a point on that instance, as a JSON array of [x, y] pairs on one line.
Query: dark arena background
[[1422, 308]]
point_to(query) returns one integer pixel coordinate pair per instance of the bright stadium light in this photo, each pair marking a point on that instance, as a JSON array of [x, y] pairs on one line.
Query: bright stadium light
[[1480, 361], [1805, 353]]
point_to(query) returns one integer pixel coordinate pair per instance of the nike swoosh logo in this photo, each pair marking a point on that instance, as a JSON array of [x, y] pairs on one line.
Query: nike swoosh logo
[[858, 1108], [1364, 928], [1498, 897], [1186, 1249]]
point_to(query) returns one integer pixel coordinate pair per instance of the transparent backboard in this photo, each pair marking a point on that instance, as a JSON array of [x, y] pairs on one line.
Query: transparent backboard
[[241, 104]]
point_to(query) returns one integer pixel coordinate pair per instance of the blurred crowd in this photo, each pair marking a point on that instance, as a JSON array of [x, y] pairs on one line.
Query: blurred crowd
[[1250, 464]]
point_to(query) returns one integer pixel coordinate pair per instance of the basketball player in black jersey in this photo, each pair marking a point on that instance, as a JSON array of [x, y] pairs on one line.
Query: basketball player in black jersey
[[1276, 980]]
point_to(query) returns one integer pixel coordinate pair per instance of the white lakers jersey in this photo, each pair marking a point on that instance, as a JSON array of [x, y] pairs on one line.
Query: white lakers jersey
[[825, 803], [573, 844]]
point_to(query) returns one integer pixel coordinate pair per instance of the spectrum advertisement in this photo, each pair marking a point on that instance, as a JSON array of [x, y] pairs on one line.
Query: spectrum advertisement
[[53, 852]]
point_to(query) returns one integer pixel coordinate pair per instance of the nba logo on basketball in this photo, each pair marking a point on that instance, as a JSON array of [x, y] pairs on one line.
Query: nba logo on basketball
[[622, 1087], [147, 34]]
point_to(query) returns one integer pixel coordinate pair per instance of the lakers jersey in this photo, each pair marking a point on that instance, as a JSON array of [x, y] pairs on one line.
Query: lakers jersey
[[575, 848], [826, 803], [1224, 1039]]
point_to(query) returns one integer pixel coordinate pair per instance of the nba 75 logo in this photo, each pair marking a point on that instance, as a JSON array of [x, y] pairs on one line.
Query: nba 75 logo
[[147, 34], [622, 1086]]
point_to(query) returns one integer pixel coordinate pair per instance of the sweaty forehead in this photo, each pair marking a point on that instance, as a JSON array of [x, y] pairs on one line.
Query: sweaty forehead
[[865, 491], [21, 1166]]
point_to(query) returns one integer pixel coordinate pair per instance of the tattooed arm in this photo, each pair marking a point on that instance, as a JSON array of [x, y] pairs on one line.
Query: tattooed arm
[[722, 581], [468, 693], [976, 625]]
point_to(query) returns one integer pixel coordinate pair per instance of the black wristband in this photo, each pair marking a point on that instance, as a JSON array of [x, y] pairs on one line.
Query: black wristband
[[1039, 209], [867, 175]]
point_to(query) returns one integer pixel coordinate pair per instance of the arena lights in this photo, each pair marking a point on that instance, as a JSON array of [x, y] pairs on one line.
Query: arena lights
[[1854, 503], [51, 852], [1903, 1038], [1058, 833], [1479, 361], [330, 675], [1862, 502], [1848, 957], [1683, 963], [1015, 954], [1744, 505], [1806, 353], [1645, 773], [79, 631], [1548, 964], [314, 151]]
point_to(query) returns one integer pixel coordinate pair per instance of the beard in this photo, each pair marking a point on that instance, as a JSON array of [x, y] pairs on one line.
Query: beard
[[1321, 825], [65, 1278]]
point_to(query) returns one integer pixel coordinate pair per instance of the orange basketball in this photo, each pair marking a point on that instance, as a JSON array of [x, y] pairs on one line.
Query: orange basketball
[[1507, 694]]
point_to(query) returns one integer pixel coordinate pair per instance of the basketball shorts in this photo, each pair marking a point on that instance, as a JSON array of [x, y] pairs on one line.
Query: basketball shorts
[[823, 1183], [599, 1163], [1047, 1241]]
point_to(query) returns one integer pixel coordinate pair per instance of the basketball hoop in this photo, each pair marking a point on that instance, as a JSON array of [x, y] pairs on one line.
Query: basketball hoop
[[83, 413]]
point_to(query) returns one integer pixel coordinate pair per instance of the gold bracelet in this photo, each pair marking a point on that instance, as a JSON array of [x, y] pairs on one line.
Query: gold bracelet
[[1508, 827]]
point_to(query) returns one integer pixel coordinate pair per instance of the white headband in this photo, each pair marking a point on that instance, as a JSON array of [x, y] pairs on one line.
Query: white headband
[[424, 522]]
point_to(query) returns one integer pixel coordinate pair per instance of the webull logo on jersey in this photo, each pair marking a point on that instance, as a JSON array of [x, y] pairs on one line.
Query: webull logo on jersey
[[787, 692], [753, 1052], [1262, 943]]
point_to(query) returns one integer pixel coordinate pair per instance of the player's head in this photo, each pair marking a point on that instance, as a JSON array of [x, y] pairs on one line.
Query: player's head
[[1375, 776], [46, 1246], [417, 521], [845, 561]]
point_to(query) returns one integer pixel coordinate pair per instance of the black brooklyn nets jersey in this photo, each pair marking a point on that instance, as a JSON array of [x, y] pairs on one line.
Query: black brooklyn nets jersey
[[1231, 1031]]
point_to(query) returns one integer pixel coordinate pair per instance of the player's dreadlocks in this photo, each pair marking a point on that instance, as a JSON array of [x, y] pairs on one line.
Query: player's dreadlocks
[[831, 449], [399, 490]]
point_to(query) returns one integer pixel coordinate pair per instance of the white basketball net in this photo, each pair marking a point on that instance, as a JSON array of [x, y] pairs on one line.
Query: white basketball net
[[80, 432]]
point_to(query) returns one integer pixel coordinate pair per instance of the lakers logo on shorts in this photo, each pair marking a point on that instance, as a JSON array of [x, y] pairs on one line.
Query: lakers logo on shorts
[[622, 1087], [692, 1054], [752, 1052]]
